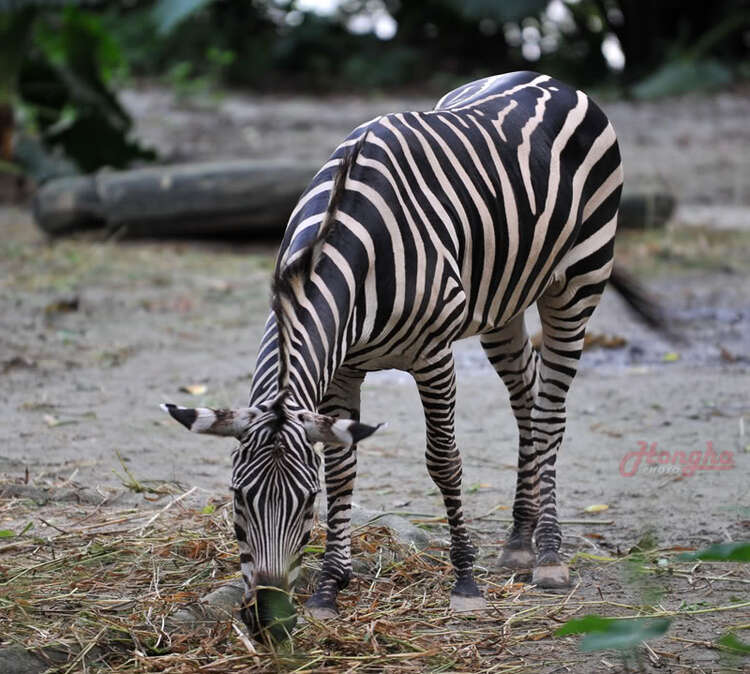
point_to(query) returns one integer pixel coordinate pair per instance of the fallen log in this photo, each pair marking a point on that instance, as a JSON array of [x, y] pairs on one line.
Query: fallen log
[[68, 204], [645, 207], [238, 198], [233, 198]]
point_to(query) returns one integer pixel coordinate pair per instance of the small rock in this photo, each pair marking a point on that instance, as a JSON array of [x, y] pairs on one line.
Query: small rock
[[402, 529]]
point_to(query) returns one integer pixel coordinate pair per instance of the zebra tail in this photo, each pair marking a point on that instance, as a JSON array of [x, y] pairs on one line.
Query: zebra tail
[[642, 302]]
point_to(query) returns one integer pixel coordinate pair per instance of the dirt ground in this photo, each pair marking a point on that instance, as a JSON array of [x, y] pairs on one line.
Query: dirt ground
[[94, 334]]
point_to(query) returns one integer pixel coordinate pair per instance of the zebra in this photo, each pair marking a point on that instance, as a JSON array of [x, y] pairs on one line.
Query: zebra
[[424, 228]]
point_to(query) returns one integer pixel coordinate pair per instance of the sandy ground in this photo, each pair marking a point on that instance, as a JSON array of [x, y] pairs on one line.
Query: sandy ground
[[95, 334], [152, 318]]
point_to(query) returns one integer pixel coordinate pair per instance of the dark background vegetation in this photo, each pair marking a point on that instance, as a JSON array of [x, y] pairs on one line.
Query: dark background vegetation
[[61, 63]]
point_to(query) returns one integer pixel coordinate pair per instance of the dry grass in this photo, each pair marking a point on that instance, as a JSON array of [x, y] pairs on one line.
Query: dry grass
[[100, 584]]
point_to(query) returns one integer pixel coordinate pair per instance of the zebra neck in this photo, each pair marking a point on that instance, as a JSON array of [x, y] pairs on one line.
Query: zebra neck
[[316, 353], [314, 356]]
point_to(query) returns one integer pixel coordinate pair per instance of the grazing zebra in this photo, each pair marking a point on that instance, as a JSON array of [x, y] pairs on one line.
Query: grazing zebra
[[424, 228]]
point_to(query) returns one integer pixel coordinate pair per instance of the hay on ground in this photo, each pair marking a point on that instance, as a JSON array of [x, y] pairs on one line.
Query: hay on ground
[[86, 586]]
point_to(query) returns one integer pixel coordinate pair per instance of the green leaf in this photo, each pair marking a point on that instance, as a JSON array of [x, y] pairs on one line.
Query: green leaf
[[612, 633], [625, 634], [28, 526], [589, 623], [168, 13], [731, 642], [207, 510], [10, 167], [721, 552], [683, 75], [6, 533], [275, 612]]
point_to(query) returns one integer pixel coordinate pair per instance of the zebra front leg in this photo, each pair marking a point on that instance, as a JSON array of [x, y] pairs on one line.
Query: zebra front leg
[[341, 400], [437, 389], [510, 352]]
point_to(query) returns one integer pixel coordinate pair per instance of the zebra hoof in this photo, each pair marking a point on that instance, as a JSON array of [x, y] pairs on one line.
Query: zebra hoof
[[320, 610], [461, 604], [517, 558], [551, 576]]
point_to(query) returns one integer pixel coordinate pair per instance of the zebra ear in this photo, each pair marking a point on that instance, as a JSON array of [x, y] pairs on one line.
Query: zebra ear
[[321, 428], [213, 422]]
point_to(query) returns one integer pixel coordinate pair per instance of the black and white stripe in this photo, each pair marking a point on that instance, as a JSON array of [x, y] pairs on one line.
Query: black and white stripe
[[424, 228]]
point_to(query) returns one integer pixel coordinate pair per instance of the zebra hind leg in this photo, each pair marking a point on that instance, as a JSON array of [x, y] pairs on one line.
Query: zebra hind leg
[[510, 352], [341, 400], [437, 389], [564, 309]]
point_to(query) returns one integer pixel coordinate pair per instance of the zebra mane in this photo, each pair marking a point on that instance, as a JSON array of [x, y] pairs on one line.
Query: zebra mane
[[295, 273]]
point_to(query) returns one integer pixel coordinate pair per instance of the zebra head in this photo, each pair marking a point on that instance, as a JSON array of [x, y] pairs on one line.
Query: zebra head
[[275, 479]]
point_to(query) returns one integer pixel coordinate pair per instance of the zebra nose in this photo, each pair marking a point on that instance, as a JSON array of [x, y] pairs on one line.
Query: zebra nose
[[271, 614]]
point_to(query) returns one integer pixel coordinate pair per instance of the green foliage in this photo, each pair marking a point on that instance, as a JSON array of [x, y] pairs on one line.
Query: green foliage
[[637, 574], [613, 633], [721, 552], [646, 542], [189, 83], [15, 28], [80, 52], [681, 76], [167, 14], [508, 10], [693, 69], [626, 634], [8, 533], [76, 40], [9, 167], [65, 86], [130, 482], [271, 44], [732, 643]]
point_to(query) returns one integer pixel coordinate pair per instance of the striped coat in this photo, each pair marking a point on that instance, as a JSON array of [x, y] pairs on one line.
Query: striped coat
[[424, 228]]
